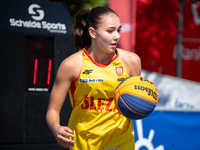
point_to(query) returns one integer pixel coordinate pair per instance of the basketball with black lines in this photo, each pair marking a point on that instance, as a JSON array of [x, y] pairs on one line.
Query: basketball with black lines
[[135, 97]]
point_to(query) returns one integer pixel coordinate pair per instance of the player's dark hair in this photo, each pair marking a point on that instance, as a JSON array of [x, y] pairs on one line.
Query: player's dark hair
[[85, 19]]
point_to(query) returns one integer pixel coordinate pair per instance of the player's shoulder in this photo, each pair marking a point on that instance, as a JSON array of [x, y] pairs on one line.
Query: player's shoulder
[[73, 59], [131, 62], [128, 56], [72, 64]]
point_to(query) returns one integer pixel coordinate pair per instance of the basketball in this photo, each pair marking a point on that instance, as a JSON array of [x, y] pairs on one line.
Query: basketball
[[135, 97]]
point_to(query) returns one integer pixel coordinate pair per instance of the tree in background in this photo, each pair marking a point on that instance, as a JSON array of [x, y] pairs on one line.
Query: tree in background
[[75, 5]]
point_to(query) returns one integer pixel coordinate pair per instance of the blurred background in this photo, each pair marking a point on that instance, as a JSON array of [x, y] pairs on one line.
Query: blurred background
[[35, 36], [75, 5]]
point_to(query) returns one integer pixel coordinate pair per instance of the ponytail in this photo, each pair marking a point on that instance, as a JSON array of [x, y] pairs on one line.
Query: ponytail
[[80, 30]]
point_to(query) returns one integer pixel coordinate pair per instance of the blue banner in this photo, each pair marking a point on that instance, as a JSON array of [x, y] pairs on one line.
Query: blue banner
[[168, 130]]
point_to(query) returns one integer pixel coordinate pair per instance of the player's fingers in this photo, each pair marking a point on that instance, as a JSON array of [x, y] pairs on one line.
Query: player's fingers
[[67, 129], [65, 142], [150, 81], [156, 88], [65, 139], [64, 132]]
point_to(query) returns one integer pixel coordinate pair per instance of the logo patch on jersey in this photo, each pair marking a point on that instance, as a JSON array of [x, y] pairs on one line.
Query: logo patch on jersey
[[87, 71], [91, 80], [119, 71], [120, 79]]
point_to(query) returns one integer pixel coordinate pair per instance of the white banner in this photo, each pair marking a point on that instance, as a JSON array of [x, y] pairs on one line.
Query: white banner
[[175, 93]]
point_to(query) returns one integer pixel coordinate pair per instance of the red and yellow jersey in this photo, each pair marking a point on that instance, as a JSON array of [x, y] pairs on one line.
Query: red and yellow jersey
[[95, 121]]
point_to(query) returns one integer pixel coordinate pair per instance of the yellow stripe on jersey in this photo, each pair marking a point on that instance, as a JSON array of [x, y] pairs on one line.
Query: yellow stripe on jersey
[[95, 121]]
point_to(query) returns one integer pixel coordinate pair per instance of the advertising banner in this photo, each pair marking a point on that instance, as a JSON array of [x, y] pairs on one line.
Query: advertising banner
[[168, 130], [157, 35], [35, 17], [191, 41]]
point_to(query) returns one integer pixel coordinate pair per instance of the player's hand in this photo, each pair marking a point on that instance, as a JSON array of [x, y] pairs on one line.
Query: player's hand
[[153, 83], [155, 87], [61, 136]]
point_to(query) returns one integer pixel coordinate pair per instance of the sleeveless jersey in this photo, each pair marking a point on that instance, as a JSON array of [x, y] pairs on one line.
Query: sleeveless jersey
[[95, 121]]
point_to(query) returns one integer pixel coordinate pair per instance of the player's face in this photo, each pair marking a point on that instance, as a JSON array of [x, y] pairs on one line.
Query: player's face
[[108, 32]]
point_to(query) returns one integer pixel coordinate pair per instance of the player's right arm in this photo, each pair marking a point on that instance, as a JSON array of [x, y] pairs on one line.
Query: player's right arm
[[67, 73]]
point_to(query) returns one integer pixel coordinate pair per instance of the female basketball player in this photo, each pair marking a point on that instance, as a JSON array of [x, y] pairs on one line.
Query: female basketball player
[[91, 76]]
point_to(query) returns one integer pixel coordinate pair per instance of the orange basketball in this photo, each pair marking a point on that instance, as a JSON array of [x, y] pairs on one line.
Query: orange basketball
[[135, 97]]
